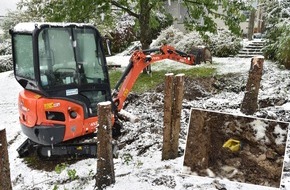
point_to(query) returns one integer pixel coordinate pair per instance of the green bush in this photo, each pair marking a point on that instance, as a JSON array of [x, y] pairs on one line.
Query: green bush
[[283, 51], [278, 45], [270, 49]]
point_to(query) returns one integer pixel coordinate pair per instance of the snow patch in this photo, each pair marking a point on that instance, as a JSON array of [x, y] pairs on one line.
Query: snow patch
[[281, 135], [30, 26], [260, 128], [104, 103]]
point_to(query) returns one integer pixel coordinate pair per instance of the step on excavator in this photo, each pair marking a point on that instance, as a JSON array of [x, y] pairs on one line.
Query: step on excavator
[[63, 71]]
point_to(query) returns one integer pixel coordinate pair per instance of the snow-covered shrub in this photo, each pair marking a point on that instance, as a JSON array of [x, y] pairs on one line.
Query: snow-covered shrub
[[6, 63], [224, 44], [5, 47], [5, 56], [221, 44], [179, 40], [126, 31]]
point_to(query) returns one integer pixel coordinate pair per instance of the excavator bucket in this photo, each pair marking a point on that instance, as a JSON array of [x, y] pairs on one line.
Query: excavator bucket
[[202, 54]]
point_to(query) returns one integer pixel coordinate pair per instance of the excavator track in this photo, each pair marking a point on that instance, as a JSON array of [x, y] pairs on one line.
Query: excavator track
[[85, 147], [73, 149], [82, 147], [82, 150]]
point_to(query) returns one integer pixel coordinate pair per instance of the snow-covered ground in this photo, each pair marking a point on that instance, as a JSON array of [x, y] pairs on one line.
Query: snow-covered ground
[[132, 169]]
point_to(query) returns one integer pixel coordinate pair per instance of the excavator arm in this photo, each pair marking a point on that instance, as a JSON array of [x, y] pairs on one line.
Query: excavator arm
[[139, 61]]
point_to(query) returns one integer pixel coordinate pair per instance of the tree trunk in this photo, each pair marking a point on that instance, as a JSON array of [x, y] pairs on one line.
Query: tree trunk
[[5, 181], [105, 167], [144, 21], [145, 31], [250, 101], [251, 24]]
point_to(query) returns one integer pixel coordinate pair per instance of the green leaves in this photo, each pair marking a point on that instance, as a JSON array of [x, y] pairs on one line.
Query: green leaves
[[201, 14], [231, 12]]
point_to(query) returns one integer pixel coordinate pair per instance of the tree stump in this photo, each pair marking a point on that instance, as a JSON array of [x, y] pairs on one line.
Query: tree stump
[[168, 98], [172, 113], [198, 142], [250, 102], [5, 180], [176, 112], [105, 167]]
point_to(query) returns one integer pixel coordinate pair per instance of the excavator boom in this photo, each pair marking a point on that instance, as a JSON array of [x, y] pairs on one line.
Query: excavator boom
[[139, 61]]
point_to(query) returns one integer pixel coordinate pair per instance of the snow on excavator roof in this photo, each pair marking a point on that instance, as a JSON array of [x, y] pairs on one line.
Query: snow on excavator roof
[[30, 26]]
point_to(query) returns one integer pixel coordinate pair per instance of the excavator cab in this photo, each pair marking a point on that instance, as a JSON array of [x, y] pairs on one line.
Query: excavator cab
[[63, 71]]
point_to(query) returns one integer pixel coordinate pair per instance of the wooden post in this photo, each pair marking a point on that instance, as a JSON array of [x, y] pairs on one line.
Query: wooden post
[[250, 102], [5, 180], [172, 115], [168, 97], [105, 167]]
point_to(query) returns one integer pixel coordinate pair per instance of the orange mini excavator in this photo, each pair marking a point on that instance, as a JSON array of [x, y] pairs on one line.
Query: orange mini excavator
[[63, 71]]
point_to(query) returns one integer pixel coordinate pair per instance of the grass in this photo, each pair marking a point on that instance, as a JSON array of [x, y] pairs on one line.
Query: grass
[[147, 82]]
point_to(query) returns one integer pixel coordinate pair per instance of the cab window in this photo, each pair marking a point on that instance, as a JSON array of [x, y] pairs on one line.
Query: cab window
[[23, 56], [56, 57]]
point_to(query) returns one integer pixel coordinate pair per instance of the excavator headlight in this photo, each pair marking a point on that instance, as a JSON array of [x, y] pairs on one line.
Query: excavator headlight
[[73, 114]]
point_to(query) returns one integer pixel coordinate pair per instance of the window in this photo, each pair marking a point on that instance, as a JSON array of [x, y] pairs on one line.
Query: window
[[56, 57], [69, 56], [23, 56], [89, 55]]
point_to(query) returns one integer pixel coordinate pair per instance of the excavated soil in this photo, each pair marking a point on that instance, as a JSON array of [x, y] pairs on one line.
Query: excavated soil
[[256, 162]]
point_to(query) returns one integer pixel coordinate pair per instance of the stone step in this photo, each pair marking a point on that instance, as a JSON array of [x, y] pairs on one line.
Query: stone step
[[250, 52], [252, 49], [254, 46], [248, 55]]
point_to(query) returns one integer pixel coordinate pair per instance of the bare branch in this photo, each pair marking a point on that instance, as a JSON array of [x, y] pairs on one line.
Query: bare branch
[[125, 9], [198, 3]]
